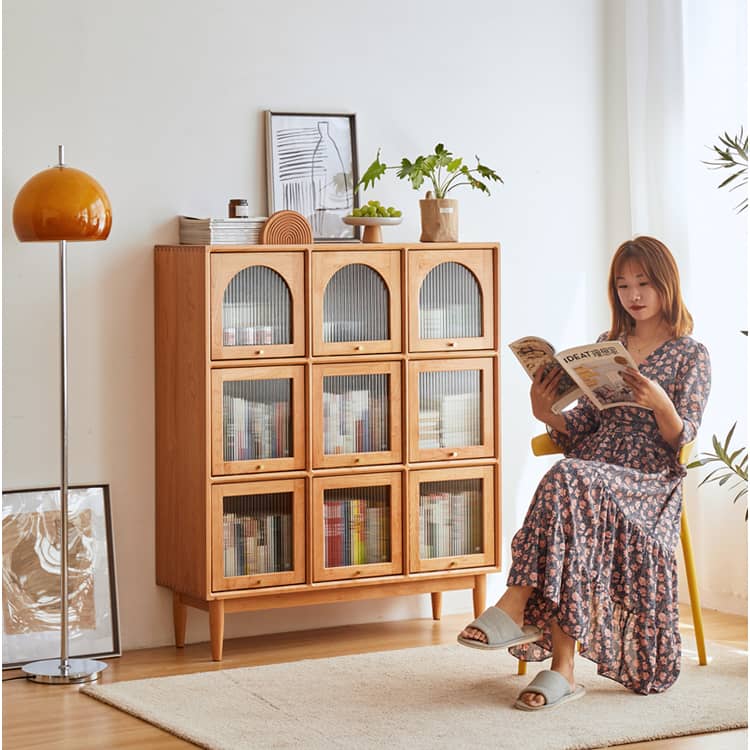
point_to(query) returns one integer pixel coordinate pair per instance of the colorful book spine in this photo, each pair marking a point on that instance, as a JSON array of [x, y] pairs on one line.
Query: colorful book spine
[[335, 525], [346, 551], [358, 531]]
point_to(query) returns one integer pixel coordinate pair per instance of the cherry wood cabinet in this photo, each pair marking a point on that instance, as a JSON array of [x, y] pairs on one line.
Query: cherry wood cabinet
[[327, 424]]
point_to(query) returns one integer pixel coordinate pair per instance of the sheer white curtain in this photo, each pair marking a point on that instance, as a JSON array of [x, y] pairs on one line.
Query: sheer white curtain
[[681, 81], [654, 88]]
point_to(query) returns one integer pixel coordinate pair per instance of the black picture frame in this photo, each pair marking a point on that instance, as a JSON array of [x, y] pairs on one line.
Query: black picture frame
[[311, 168], [31, 584]]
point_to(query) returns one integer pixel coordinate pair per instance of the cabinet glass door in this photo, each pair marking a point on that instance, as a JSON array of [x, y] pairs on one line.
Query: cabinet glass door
[[451, 296], [356, 302], [257, 305], [452, 518], [451, 409], [258, 534], [254, 426], [357, 526], [356, 414]]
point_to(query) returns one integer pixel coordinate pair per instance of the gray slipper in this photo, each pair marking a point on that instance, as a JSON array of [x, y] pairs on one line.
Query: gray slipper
[[555, 689], [500, 630]]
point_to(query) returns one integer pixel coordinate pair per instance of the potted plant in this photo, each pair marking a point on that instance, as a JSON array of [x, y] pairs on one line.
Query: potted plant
[[445, 173]]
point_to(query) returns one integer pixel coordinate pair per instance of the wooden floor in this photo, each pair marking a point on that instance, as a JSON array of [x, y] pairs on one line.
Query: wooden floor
[[55, 716]]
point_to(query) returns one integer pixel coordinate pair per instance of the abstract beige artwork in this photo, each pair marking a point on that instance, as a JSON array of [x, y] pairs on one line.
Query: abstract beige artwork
[[32, 562], [31, 572]]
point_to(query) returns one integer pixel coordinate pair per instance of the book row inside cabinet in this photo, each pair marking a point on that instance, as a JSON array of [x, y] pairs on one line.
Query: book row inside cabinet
[[327, 424]]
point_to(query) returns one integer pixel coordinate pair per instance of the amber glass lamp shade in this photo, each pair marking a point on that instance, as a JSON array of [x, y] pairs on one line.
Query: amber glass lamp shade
[[62, 203]]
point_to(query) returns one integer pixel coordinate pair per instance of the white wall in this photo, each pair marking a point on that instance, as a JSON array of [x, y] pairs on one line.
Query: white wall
[[162, 102]]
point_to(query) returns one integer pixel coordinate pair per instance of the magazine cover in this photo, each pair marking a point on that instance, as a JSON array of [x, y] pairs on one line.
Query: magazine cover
[[593, 369]]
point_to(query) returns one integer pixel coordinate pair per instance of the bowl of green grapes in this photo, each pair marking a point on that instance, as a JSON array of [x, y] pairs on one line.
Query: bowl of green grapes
[[372, 216]]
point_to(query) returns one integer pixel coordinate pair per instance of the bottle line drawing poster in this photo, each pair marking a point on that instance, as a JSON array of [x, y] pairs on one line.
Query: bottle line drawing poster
[[312, 169]]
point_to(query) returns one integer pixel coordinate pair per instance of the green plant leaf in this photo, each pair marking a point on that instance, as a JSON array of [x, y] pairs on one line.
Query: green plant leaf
[[711, 476], [415, 172], [729, 437], [734, 455], [487, 173], [730, 178], [473, 181], [373, 173], [428, 164], [454, 165]]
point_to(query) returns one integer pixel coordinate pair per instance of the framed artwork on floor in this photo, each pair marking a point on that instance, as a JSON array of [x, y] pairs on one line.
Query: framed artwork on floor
[[32, 582], [311, 162]]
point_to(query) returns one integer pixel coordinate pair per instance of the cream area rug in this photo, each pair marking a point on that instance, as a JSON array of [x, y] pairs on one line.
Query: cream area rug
[[431, 697]]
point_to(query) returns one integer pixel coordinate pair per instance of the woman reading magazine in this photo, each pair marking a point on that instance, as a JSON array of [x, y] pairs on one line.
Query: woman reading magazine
[[594, 560]]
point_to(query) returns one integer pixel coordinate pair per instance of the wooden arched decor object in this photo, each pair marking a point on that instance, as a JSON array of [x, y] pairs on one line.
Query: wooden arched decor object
[[286, 228]]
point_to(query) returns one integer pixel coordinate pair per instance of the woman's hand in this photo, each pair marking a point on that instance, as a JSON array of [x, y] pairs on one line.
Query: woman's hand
[[650, 394], [647, 392], [544, 394]]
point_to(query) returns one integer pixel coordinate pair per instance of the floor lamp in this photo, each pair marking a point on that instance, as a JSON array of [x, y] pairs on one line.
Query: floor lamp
[[63, 205]]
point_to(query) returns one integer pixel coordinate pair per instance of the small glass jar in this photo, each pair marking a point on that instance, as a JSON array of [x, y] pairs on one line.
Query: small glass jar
[[238, 209]]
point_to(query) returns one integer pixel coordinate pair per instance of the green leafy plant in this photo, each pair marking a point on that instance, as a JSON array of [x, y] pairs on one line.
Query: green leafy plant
[[733, 465], [732, 154], [440, 168]]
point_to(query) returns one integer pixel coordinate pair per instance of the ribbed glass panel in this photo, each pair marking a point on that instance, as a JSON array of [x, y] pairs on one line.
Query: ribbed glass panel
[[257, 419], [450, 518], [257, 533], [355, 413], [357, 525], [356, 306], [257, 308], [450, 303], [449, 409]]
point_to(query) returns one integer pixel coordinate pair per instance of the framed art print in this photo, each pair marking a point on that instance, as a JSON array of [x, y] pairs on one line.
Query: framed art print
[[32, 582], [312, 169]]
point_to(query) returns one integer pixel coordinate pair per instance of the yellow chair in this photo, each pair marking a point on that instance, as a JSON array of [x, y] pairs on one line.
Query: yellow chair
[[543, 445]]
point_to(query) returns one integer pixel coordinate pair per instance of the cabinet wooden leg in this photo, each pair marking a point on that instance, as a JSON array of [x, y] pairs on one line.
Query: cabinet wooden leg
[[437, 604], [179, 614], [216, 627], [480, 594]]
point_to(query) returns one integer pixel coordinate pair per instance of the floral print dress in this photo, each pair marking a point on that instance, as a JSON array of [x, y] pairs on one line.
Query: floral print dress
[[599, 540]]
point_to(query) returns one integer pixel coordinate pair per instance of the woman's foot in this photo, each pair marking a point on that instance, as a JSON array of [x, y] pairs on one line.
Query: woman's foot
[[472, 634], [512, 602], [530, 698], [563, 662]]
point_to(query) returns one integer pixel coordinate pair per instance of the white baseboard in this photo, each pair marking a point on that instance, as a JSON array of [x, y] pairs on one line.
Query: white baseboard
[[733, 604]]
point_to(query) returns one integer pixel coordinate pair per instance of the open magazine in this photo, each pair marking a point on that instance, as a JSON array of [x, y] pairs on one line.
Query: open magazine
[[593, 370]]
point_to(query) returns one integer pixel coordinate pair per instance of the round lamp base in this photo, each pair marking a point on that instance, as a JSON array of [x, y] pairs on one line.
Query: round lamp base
[[50, 671]]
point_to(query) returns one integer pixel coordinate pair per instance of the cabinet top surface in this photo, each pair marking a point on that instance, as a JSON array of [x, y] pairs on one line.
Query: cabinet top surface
[[337, 246]]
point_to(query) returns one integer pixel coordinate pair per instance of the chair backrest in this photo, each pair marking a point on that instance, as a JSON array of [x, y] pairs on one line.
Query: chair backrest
[[544, 445]]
